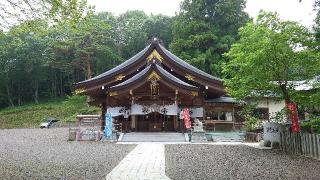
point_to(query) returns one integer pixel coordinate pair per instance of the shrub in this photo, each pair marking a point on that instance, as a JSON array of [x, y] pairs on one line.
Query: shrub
[[312, 126], [252, 123]]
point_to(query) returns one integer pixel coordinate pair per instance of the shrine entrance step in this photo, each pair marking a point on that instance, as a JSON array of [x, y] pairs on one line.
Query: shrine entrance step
[[153, 137]]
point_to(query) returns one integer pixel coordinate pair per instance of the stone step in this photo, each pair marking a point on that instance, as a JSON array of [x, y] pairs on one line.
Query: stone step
[[223, 139], [153, 137]]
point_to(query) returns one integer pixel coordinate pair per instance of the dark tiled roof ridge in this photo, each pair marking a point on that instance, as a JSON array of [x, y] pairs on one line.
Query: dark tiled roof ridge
[[160, 69], [133, 78], [187, 65], [126, 63], [172, 77]]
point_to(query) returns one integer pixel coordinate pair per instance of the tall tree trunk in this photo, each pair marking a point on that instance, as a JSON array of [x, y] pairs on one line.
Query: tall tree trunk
[[54, 83], [285, 93], [61, 93], [88, 67], [9, 96], [36, 91], [88, 72]]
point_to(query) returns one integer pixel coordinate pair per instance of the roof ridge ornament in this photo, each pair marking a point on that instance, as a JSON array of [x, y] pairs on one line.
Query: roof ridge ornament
[[154, 76], [154, 55], [119, 77], [189, 77]]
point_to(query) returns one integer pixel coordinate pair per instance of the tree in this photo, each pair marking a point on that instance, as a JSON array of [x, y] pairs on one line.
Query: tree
[[131, 37], [24, 56], [17, 11], [205, 29], [270, 54], [159, 26]]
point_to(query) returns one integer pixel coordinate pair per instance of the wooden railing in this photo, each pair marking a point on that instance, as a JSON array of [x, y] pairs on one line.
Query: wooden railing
[[301, 144]]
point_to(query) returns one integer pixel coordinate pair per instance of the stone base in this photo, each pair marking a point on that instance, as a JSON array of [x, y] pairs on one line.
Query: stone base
[[198, 137], [113, 138]]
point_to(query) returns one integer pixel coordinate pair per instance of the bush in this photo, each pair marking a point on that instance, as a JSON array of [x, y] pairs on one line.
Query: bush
[[252, 124], [312, 126], [306, 127], [315, 125]]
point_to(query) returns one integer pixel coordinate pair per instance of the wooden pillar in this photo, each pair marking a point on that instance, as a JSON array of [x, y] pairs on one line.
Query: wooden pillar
[[233, 119], [103, 115], [133, 122], [175, 123]]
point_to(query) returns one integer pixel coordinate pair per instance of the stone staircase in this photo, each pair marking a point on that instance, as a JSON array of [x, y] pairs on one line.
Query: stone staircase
[[152, 137], [226, 137]]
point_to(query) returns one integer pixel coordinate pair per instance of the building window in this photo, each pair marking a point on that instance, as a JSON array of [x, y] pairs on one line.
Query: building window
[[214, 115], [261, 113]]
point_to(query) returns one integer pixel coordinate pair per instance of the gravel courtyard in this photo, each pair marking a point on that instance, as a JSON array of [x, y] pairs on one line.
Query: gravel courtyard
[[46, 154], [236, 162]]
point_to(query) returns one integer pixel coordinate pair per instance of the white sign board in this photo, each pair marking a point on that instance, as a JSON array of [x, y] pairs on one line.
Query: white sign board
[[271, 132]]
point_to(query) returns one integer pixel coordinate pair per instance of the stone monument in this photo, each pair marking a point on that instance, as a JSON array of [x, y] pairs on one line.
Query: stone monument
[[198, 134]]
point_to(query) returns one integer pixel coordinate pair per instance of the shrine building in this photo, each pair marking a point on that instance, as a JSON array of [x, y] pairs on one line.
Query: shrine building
[[147, 93]]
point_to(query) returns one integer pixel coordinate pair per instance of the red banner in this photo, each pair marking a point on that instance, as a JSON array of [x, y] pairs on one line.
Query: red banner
[[186, 118], [292, 107]]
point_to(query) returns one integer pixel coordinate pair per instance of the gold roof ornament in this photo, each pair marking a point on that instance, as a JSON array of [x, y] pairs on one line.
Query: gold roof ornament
[[120, 77], [115, 93], [80, 91], [194, 93], [154, 55], [189, 77], [154, 76]]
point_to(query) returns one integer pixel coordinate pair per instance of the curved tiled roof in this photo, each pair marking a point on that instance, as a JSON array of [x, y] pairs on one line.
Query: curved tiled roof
[[172, 77], [162, 72], [181, 62], [138, 61], [133, 78], [126, 63]]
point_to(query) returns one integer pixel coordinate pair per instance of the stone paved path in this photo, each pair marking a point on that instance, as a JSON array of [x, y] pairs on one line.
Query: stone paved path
[[146, 161]]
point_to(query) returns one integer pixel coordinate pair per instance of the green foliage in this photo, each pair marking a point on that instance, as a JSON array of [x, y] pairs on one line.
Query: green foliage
[[31, 115], [270, 54], [132, 30], [204, 30], [311, 126], [40, 59], [251, 123], [280, 116], [17, 11]]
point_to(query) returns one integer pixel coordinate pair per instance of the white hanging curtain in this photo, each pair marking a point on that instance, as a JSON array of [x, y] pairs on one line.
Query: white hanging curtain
[[194, 112], [228, 116], [118, 111], [171, 110], [137, 109]]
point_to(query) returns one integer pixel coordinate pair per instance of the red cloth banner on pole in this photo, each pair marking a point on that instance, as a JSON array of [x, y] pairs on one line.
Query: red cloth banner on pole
[[292, 107], [186, 118]]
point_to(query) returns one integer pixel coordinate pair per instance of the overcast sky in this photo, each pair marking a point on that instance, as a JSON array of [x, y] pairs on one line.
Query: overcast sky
[[288, 9]]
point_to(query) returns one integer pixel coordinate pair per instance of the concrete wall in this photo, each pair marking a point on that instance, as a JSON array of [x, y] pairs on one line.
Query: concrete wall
[[273, 105]]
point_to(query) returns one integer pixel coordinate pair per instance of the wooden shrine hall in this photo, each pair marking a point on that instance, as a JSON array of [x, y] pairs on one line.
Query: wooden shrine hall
[[147, 92]]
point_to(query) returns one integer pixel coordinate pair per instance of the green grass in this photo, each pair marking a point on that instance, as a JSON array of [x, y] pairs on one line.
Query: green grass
[[31, 115]]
